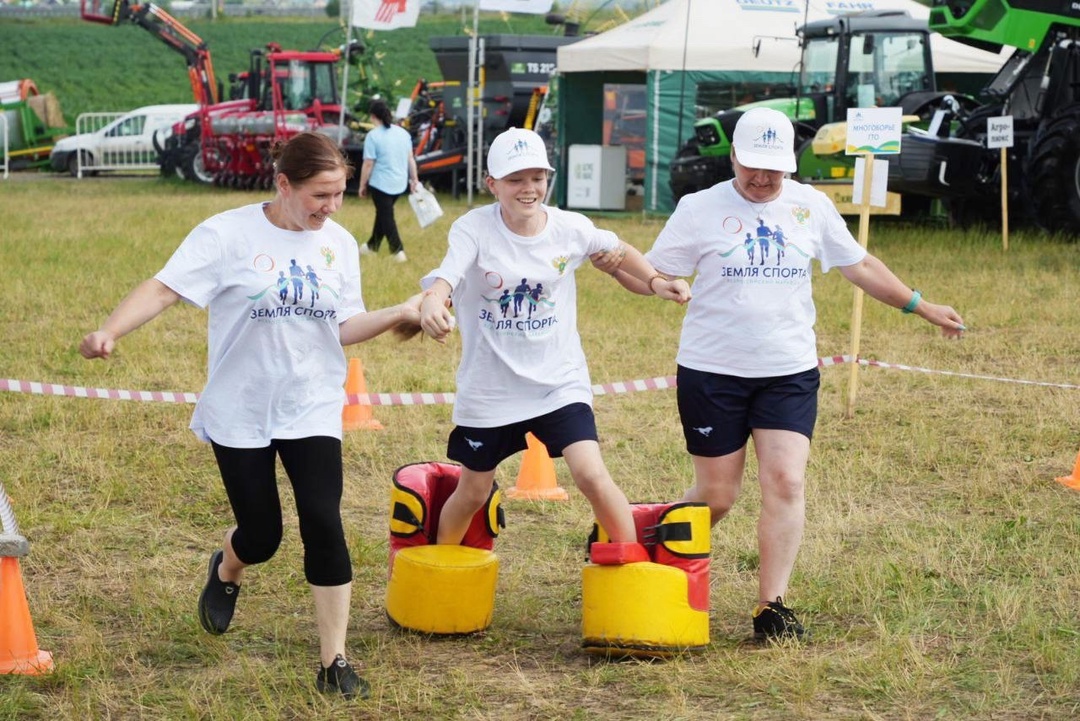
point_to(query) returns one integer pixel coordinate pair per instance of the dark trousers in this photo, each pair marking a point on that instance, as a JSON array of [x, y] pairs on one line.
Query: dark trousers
[[385, 225], [314, 468]]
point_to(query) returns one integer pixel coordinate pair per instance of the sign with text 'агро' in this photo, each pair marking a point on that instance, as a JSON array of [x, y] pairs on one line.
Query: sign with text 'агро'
[[874, 130], [999, 132]]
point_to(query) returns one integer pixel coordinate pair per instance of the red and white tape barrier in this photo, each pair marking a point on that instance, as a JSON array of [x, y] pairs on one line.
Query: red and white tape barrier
[[430, 399]]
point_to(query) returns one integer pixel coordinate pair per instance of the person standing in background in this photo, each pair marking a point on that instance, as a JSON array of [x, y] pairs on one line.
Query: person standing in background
[[388, 171]]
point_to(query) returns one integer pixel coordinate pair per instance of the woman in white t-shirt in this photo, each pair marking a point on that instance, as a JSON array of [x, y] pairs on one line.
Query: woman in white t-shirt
[[747, 359], [510, 273], [281, 281]]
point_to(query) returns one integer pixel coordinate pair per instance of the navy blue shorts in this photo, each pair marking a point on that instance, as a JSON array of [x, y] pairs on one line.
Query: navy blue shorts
[[482, 449], [718, 412]]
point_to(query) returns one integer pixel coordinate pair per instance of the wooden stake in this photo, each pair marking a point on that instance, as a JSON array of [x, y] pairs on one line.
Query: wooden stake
[[856, 308], [1005, 199]]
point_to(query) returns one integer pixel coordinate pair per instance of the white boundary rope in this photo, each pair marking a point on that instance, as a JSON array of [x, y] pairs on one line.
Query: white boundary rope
[[428, 399]]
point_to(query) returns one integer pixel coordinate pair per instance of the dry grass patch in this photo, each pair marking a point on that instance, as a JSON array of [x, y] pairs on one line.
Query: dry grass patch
[[939, 573]]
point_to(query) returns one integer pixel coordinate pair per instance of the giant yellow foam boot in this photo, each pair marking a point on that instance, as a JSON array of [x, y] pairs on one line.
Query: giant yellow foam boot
[[439, 589], [442, 589], [655, 608]]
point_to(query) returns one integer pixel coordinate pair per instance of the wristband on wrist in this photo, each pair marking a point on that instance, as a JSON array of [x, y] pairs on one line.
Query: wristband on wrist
[[654, 277], [916, 296]]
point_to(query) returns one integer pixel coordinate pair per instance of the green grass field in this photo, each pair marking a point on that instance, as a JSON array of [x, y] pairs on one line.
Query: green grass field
[[97, 68], [939, 574]]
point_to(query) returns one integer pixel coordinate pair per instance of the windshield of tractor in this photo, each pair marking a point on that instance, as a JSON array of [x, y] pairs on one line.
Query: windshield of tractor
[[884, 66], [819, 65], [305, 82]]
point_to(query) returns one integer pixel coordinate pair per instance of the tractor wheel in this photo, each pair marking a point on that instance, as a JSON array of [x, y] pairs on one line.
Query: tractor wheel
[[192, 165], [1052, 172]]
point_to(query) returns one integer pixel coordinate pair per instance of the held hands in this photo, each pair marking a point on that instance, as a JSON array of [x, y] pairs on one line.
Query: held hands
[[98, 344], [435, 318], [409, 325], [608, 260], [677, 290]]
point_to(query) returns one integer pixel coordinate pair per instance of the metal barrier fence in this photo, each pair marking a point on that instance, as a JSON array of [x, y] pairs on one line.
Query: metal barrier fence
[[4, 130], [106, 145]]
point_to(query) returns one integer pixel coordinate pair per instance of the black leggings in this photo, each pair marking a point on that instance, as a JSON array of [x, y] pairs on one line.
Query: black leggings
[[385, 224], [314, 468]]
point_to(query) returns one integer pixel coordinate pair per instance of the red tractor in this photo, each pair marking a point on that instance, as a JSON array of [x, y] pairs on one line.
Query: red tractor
[[228, 142]]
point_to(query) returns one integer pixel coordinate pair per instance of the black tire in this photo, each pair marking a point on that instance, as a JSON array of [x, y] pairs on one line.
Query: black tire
[[73, 163], [1052, 172], [192, 166]]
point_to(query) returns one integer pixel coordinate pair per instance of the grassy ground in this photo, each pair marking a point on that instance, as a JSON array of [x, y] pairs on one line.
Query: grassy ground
[[939, 574]]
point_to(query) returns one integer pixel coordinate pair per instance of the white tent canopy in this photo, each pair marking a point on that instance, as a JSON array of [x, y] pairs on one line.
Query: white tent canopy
[[722, 34]]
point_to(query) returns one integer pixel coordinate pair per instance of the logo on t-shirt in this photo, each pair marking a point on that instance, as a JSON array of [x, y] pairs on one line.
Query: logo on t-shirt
[[328, 256], [519, 310], [297, 287]]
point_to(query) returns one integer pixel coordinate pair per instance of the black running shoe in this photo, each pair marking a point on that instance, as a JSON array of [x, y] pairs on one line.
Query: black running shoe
[[775, 621], [340, 677], [217, 600]]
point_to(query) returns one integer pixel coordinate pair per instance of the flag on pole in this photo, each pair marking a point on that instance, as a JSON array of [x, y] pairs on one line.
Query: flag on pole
[[385, 14], [536, 7]]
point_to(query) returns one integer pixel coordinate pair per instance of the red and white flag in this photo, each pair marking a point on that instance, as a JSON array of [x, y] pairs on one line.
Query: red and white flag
[[385, 14], [535, 7]]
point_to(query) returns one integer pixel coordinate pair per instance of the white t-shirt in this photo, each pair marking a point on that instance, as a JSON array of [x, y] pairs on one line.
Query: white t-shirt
[[515, 299], [752, 313], [276, 368]]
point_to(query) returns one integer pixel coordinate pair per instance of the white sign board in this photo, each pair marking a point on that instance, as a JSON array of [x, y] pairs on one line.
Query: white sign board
[[874, 130], [999, 132], [878, 183]]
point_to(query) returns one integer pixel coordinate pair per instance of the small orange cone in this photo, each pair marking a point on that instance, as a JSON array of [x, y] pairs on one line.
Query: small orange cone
[[355, 417], [19, 652], [536, 479], [1072, 481]]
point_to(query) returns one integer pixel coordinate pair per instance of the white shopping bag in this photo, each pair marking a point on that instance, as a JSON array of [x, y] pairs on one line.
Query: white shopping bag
[[426, 206]]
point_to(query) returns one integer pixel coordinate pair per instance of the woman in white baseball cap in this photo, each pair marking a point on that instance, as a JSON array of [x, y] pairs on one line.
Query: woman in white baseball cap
[[509, 271], [747, 358]]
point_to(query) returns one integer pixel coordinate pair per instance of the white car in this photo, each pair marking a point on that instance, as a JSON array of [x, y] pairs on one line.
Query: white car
[[125, 141]]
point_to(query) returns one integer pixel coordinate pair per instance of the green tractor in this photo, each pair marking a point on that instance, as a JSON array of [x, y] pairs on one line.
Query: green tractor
[[1039, 86], [873, 58]]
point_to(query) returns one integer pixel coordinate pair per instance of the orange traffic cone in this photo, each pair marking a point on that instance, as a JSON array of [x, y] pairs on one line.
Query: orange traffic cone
[[357, 416], [536, 479], [19, 652], [1072, 481]]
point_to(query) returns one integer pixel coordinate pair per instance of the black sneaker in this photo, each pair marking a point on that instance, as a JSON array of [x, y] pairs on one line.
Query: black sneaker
[[775, 621], [340, 676], [217, 600]]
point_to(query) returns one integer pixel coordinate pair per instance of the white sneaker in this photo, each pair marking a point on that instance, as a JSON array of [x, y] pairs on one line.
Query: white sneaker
[[365, 250], [399, 256]]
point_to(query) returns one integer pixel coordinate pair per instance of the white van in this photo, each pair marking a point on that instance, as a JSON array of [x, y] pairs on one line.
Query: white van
[[120, 142]]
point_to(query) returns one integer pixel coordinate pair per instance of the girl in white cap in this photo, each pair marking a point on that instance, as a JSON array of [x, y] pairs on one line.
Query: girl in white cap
[[747, 360], [522, 366]]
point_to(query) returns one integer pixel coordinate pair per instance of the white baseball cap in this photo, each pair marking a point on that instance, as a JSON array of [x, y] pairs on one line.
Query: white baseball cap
[[516, 149], [764, 139]]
